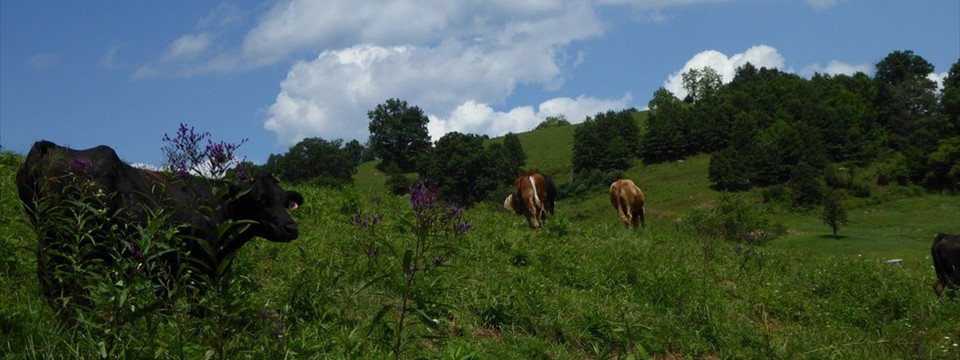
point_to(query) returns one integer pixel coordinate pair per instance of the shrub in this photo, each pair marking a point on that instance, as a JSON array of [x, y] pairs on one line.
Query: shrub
[[734, 218], [588, 181], [398, 183]]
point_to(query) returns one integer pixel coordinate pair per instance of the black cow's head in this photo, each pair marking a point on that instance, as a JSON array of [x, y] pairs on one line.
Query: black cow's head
[[266, 204]]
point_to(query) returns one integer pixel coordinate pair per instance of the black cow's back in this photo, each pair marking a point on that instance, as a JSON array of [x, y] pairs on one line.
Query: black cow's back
[[57, 183]]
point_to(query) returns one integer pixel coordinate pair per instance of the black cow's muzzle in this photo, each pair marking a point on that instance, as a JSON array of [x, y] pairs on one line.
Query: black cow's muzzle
[[290, 232]]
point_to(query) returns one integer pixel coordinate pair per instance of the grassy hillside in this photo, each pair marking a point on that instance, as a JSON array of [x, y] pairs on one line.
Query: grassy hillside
[[584, 287]]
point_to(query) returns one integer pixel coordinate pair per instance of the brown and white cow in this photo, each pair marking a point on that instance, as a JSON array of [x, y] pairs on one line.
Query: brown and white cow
[[533, 197], [946, 262], [627, 198]]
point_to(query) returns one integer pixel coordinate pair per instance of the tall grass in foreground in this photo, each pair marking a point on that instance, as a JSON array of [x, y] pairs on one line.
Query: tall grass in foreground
[[580, 288]]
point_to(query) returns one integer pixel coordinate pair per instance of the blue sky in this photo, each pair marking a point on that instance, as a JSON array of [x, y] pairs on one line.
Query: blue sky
[[125, 73]]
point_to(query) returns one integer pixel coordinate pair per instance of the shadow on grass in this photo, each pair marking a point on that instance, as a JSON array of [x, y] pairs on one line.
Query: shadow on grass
[[831, 237]]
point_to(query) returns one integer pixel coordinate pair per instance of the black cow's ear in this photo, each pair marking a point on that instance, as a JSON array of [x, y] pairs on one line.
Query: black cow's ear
[[294, 200]]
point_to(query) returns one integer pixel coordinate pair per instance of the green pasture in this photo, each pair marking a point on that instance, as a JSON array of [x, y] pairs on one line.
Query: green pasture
[[584, 287]]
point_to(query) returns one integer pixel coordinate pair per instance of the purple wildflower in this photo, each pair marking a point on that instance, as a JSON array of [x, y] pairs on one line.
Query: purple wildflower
[[180, 170], [134, 249], [185, 152], [737, 249], [437, 261], [461, 228], [372, 252], [241, 172], [265, 315], [422, 197]]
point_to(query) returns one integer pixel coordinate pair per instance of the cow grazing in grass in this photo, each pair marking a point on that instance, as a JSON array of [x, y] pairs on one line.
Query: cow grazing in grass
[[533, 197], [946, 262], [57, 183], [627, 199]]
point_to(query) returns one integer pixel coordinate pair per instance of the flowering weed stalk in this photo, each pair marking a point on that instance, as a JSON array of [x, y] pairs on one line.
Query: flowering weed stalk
[[408, 266], [185, 154], [224, 295]]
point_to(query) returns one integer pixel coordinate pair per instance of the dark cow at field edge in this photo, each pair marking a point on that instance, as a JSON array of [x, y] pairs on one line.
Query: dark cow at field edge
[[946, 262], [627, 199], [56, 182], [533, 197]]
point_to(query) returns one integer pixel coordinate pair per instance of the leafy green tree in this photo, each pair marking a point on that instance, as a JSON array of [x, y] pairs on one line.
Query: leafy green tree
[[806, 185], [514, 152], [840, 108], [729, 169], [701, 84], [398, 134], [780, 148], [325, 163], [668, 131], [463, 169], [834, 214], [944, 165], [906, 99], [609, 141], [553, 121], [355, 151], [950, 98]]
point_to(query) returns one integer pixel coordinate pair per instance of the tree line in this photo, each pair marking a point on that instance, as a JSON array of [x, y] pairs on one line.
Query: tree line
[[765, 128]]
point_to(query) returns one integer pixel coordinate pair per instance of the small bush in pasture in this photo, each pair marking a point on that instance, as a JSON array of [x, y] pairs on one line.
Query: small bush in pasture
[[350, 200], [775, 194], [398, 183], [734, 218], [558, 225], [834, 214]]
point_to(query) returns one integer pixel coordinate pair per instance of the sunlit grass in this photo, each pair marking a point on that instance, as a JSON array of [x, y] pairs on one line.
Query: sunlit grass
[[583, 287]]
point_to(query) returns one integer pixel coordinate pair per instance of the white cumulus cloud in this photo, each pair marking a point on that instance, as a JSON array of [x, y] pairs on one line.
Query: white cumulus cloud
[[478, 118], [760, 56], [835, 67], [657, 4], [454, 71], [938, 78]]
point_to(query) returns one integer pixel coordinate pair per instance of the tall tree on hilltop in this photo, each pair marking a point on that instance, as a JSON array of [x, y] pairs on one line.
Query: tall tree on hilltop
[[906, 99], [553, 121], [701, 84], [398, 134]]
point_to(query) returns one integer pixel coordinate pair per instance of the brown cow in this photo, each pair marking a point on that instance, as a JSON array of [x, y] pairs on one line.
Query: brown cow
[[946, 262], [627, 198], [533, 197]]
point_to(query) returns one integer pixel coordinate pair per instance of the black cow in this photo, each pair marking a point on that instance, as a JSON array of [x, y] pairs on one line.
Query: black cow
[[946, 262], [56, 183]]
